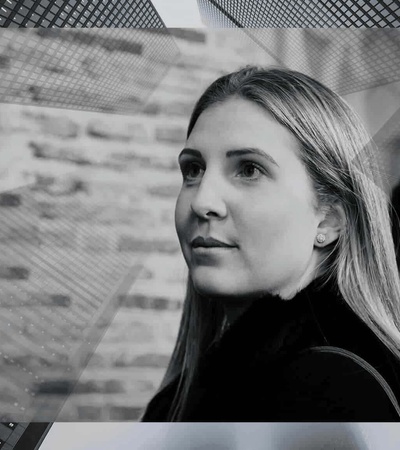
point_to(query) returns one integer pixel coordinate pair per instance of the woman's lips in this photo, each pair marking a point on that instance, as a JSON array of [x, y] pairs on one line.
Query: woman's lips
[[201, 242], [210, 247]]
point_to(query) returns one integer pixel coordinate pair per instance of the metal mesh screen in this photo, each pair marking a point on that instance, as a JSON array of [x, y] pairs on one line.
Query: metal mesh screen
[[113, 70], [305, 36], [345, 60], [63, 326], [79, 13], [300, 13]]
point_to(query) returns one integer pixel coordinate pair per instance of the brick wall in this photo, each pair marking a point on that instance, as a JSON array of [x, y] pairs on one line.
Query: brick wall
[[101, 191]]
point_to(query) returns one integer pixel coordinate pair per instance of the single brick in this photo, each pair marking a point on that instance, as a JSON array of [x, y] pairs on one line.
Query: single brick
[[88, 387], [114, 387], [47, 210], [14, 273], [151, 109], [172, 134], [54, 387], [8, 199], [49, 151], [151, 360], [61, 127], [4, 61], [88, 413], [121, 413], [60, 300], [112, 131], [147, 302]]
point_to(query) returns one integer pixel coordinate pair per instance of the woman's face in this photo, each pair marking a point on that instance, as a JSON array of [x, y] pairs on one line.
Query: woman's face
[[245, 186]]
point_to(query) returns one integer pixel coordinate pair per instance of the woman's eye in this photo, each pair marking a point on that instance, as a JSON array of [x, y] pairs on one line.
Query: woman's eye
[[250, 170], [192, 171]]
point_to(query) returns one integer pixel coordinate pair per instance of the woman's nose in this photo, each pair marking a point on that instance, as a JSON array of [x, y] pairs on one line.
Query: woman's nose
[[208, 201]]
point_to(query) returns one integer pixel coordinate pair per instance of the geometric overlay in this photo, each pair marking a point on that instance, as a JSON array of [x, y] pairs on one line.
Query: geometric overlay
[[301, 13], [388, 138], [105, 70], [77, 14], [346, 60], [22, 436], [58, 294], [344, 57]]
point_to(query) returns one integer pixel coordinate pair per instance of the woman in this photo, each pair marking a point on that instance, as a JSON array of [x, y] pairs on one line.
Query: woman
[[292, 308]]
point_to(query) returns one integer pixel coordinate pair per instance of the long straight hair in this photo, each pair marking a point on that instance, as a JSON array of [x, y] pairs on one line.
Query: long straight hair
[[340, 158]]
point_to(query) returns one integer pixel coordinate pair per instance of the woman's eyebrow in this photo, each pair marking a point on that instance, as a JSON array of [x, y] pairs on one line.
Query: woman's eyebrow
[[249, 150], [190, 151]]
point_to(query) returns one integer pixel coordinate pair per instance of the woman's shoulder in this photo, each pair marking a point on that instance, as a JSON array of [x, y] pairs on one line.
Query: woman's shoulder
[[334, 384]]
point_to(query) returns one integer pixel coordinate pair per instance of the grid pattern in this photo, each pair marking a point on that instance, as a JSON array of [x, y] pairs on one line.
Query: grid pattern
[[301, 13], [10, 434], [345, 60], [56, 302], [79, 13], [106, 70], [22, 436]]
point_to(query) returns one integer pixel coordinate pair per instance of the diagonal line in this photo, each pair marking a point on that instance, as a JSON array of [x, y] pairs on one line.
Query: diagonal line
[[226, 14], [97, 330], [385, 141], [102, 313]]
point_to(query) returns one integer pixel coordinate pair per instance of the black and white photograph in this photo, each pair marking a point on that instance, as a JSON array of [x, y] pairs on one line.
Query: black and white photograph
[[199, 223]]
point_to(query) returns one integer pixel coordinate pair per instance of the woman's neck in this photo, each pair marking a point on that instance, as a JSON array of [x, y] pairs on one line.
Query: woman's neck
[[234, 308]]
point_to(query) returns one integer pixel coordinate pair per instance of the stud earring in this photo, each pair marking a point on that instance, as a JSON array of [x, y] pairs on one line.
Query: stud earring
[[320, 238]]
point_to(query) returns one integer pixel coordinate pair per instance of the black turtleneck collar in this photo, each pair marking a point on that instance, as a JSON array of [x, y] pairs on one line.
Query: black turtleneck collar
[[270, 313], [316, 316]]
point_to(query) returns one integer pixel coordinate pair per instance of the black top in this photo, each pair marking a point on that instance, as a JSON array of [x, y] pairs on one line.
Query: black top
[[305, 359]]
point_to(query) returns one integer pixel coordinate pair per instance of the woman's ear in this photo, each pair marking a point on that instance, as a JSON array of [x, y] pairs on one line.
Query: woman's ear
[[332, 224]]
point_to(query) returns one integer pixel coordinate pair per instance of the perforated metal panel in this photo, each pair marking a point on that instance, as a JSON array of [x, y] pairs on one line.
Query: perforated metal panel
[[113, 70], [345, 60], [301, 13], [79, 13], [53, 329]]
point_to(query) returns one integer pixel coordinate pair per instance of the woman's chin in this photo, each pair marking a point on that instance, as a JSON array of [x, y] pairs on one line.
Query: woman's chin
[[214, 293], [216, 287], [212, 288]]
